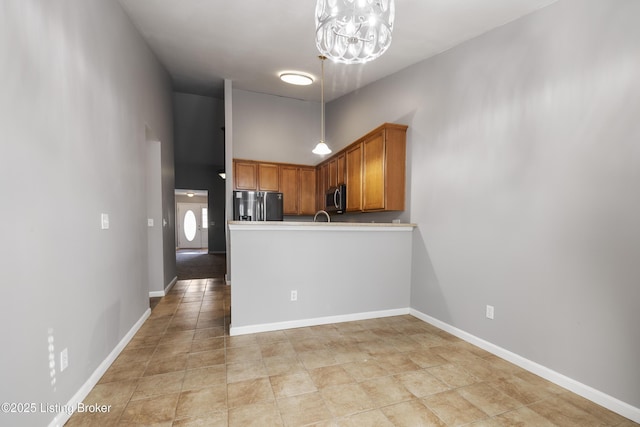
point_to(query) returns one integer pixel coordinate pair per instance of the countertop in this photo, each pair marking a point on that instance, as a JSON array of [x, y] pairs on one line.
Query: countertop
[[310, 226]]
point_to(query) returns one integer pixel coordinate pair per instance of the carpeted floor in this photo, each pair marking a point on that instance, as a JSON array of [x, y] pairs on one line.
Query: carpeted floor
[[199, 264]]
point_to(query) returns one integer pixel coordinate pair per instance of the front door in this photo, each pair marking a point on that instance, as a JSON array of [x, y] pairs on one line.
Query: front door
[[192, 225]]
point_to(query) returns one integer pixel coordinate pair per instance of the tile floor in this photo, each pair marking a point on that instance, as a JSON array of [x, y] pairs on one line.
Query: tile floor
[[183, 369]]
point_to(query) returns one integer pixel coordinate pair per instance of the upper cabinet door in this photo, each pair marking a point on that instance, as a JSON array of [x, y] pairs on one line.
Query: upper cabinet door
[[290, 188], [268, 177], [373, 172], [342, 158], [307, 191], [354, 178], [245, 175]]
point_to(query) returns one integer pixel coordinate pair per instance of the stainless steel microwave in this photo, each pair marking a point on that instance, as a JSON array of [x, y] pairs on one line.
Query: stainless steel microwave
[[336, 199]]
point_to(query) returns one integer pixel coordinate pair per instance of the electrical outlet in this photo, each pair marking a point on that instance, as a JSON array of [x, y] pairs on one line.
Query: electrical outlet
[[294, 295], [490, 312], [150, 222], [64, 359]]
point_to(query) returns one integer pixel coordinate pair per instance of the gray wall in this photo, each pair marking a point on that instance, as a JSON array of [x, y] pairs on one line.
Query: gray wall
[[273, 128], [524, 155], [79, 88], [357, 274], [199, 155]]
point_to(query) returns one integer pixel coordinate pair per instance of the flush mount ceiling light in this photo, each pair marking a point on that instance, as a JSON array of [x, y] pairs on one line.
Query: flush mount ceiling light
[[321, 148], [354, 31], [296, 79], [190, 194]]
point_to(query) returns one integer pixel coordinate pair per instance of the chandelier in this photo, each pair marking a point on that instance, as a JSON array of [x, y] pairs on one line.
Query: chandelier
[[354, 31]]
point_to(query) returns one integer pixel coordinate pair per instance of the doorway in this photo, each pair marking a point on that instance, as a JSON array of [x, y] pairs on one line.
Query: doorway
[[192, 219]]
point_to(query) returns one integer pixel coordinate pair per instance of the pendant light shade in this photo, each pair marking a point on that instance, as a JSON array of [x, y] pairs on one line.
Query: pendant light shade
[[322, 148], [354, 31]]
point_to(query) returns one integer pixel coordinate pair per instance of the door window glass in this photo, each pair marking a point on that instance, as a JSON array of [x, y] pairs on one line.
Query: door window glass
[[190, 225]]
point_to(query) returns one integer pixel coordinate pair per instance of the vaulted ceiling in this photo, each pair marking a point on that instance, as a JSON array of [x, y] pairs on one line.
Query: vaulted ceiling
[[203, 42]]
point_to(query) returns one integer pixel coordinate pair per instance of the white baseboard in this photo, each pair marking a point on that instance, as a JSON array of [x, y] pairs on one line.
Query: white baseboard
[[277, 326], [583, 390], [81, 394], [154, 294]]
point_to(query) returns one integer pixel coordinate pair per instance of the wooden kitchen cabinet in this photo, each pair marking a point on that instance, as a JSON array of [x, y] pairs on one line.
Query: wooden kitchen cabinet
[[298, 186], [290, 188], [307, 204], [245, 175], [268, 177], [332, 173], [354, 177], [383, 168], [341, 166]]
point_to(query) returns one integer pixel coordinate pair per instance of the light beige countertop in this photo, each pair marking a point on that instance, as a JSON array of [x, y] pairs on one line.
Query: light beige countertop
[[310, 226]]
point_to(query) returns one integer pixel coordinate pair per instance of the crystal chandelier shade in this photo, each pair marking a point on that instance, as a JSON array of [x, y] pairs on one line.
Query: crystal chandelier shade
[[354, 31]]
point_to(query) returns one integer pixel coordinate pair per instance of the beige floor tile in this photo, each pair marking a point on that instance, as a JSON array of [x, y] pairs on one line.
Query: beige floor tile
[[365, 370], [241, 341], [257, 415], [123, 372], [386, 390], [374, 418], [158, 409], [397, 363], [269, 337], [175, 337], [155, 385], [204, 377], [111, 418], [245, 371], [205, 358], [292, 384], [411, 414], [488, 399], [213, 419], [452, 375], [277, 349], [422, 383], [195, 403], [317, 358], [330, 375], [207, 344], [564, 414], [346, 399], [453, 409], [249, 392], [166, 365], [112, 393], [426, 358], [522, 417], [520, 390], [594, 410], [216, 331], [283, 365], [304, 409], [244, 354], [163, 351]]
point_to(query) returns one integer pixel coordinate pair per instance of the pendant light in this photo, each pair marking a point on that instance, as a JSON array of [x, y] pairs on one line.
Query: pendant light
[[322, 148]]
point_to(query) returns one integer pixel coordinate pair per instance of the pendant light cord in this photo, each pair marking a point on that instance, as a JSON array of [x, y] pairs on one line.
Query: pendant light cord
[[322, 58]]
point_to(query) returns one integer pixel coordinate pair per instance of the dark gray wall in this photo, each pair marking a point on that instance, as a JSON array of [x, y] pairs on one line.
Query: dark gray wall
[[80, 88], [524, 161], [199, 155]]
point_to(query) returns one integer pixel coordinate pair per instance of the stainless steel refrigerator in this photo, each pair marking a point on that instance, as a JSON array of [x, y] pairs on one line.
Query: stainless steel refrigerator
[[257, 206]]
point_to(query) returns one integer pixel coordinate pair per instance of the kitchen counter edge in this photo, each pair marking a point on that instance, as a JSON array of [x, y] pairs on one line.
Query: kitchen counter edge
[[310, 226]]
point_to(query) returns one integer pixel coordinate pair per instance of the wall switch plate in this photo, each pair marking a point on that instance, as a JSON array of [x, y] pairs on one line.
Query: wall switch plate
[[104, 221], [150, 222], [64, 359], [294, 295], [490, 312]]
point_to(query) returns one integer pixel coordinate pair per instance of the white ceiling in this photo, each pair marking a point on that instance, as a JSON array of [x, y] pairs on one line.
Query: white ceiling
[[203, 42]]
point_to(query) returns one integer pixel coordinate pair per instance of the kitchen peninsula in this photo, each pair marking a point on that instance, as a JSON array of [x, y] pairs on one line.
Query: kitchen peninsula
[[293, 274]]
